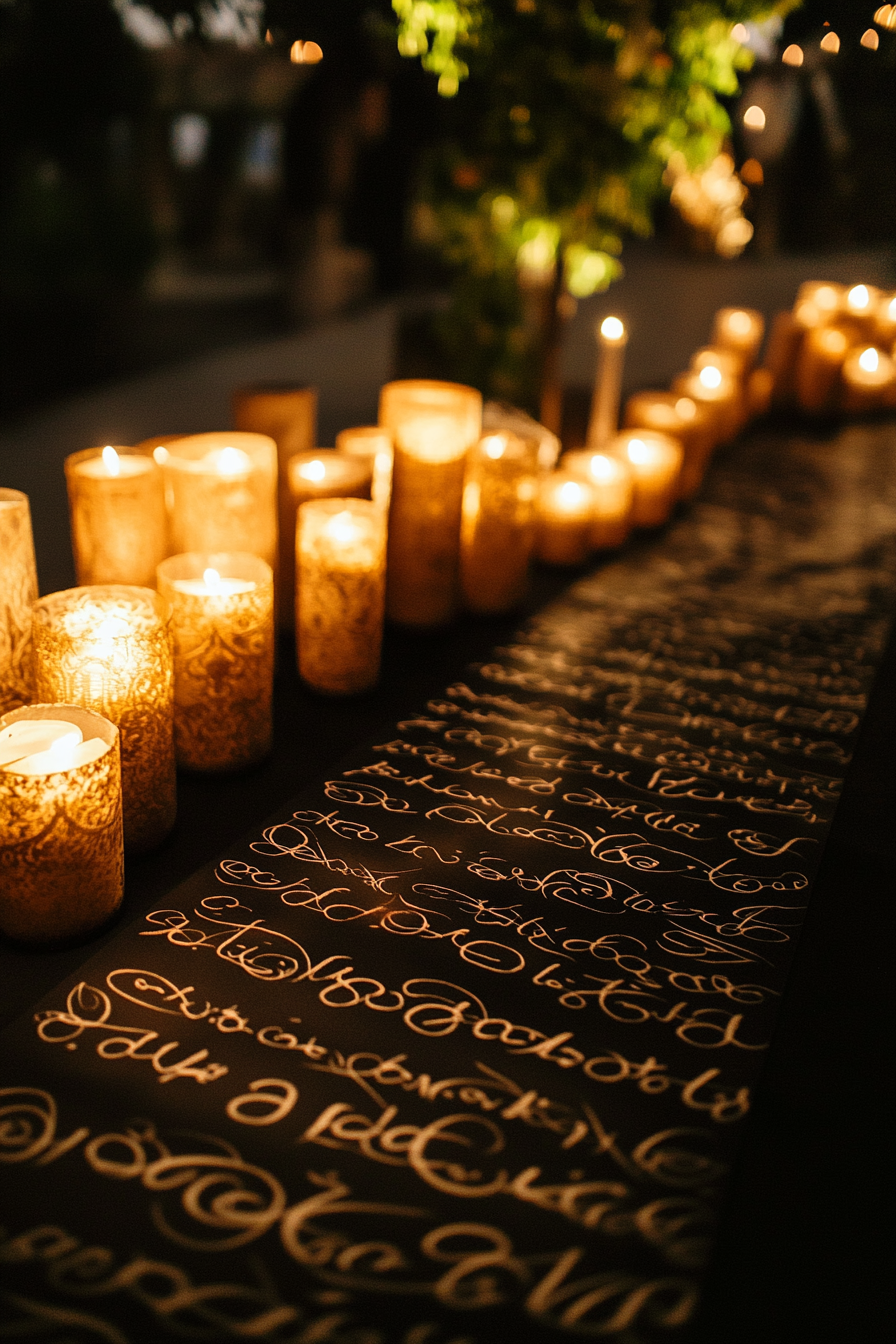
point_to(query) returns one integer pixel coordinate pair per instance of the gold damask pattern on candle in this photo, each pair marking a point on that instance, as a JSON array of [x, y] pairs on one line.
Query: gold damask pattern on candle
[[61, 856], [107, 648], [498, 522], [18, 592], [117, 514], [222, 626]]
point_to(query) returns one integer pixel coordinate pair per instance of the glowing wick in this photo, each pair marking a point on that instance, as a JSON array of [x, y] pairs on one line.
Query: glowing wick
[[612, 329], [858, 297], [111, 460], [232, 462], [869, 360], [570, 494], [313, 471], [711, 377], [754, 118], [638, 452], [161, 454], [212, 579]]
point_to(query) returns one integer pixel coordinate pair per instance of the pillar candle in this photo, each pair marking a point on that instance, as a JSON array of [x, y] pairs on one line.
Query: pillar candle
[[655, 460], [222, 629], [718, 393], [61, 856], [119, 527], [785, 339], [612, 494], [156, 446], [322, 473], [760, 388], [374, 444], [564, 519], [222, 493], [19, 592], [498, 522], [288, 415], [868, 381], [107, 649], [612, 338], [860, 304], [688, 421], [885, 320], [824, 295], [341, 593], [433, 425], [818, 366], [739, 330]]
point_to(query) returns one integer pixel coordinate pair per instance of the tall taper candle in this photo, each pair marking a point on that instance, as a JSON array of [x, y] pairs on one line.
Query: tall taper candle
[[612, 338]]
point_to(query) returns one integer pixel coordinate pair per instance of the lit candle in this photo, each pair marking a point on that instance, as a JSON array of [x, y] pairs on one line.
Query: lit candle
[[868, 381], [739, 330], [719, 393], [61, 858], [818, 368], [826, 296], [288, 415], [785, 339], [688, 421], [106, 648], [860, 304], [612, 494], [322, 473], [564, 519], [222, 493], [18, 594], [885, 320], [655, 460], [119, 527], [373, 443], [340, 594], [433, 426], [498, 522], [498, 416], [612, 338], [222, 626]]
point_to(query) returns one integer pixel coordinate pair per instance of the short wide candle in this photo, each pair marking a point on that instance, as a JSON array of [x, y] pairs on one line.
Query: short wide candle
[[340, 593], [19, 592], [106, 649], [687, 421], [222, 493], [222, 626], [116, 506], [869, 381], [498, 527], [564, 519], [61, 856], [613, 494], [655, 460]]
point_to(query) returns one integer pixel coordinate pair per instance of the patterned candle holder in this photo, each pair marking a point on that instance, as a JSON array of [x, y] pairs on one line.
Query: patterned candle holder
[[222, 494], [61, 855], [498, 522], [107, 649], [116, 506], [320, 474], [222, 627], [340, 598], [19, 593]]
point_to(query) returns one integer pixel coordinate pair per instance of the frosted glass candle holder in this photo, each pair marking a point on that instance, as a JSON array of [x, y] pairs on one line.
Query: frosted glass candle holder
[[61, 853], [498, 522], [613, 492], [340, 600], [655, 461], [107, 649], [119, 527], [222, 628], [19, 592], [434, 424]]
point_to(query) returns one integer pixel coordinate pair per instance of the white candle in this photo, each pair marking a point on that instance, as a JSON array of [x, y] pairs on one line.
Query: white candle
[[612, 338], [119, 526]]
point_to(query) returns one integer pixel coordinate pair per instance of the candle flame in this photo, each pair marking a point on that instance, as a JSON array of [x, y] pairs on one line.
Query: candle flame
[[891, 309], [111, 460], [637, 451], [858, 297], [494, 446], [612, 329], [342, 528], [313, 471], [740, 322], [686, 408], [754, 118], [61, 753], [869, 360], [602, 468], [825, 297], [570, 494], [711, 377], [212, 579], [792, 55], [305, 53], [161, 454], [232, 462]]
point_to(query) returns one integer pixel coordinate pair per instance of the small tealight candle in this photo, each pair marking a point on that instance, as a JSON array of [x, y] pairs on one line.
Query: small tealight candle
[[655, 460], [288, 415], [433, 425], [106, 648], [739, 330], [222, 626], [340, 594], [612, 339], [498, 523], [19, 593], [860, 304], [222, 493], [868, 381], [818, 368], [61, 856], [719, 393], [119, 526], [564, 519], [373, 444], [612, 493], [688, 421]]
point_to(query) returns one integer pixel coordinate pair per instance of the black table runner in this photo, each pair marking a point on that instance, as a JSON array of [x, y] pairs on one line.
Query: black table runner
[[462, 1043]]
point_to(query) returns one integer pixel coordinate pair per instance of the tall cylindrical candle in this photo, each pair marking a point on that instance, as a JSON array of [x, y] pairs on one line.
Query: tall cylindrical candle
[[612, 338], [107, 648], [868, 381], [688, 421], [19, 592], [116, 506], [288, 415], [373, 443], [740, 330], [498, 522], [564, 516], [720, 395], [341, 591], [613, 493], [61, 857], [655, 460], [222, 493], [222, 627], [433, 424]]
